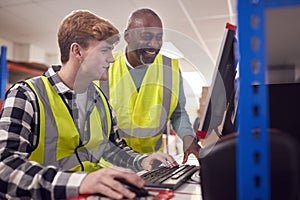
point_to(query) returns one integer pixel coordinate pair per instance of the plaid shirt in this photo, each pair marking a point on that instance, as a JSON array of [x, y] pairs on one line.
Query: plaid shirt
[[19, 129]]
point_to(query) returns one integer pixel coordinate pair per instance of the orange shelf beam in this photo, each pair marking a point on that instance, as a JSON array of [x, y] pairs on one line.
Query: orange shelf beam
[[24, 69]]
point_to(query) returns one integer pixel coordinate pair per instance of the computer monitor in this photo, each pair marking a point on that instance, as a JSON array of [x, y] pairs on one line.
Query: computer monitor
[[220, 107]]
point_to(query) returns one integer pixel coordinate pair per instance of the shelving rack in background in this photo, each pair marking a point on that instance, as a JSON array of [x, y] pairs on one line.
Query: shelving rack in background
[[253, 166], [12, 72], [3, 74]]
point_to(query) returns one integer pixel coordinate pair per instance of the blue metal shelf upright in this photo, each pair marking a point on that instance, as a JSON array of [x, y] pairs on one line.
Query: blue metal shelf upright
[[253, 180], [3, 73]]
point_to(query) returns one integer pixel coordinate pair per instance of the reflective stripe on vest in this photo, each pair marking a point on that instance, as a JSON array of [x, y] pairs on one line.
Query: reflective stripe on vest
[[142, 115], [59, 139]]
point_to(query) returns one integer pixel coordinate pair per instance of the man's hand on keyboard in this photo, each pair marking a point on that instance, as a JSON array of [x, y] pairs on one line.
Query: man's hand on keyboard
[[164, 158], [190, 146]]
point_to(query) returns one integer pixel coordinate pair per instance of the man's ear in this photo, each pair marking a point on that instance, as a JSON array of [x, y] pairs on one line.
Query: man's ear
[[76, 50], [126, 35]]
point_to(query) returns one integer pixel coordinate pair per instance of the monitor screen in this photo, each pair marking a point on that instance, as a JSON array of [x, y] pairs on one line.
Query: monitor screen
[[219, 112]]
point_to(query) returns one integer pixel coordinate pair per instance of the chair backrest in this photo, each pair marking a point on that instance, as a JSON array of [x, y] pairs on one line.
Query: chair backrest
[[218, 168]]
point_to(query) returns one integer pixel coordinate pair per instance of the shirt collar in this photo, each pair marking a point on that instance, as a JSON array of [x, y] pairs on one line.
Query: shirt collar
[[126, 60], [55, 81]]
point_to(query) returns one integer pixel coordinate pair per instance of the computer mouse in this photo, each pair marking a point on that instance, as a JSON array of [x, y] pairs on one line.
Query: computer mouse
[[139, 192]]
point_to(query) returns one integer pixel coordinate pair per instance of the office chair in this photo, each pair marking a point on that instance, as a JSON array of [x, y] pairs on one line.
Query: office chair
[[218, 168]]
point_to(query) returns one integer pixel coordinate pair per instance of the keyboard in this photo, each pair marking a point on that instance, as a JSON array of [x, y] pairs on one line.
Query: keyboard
[[170, 178]]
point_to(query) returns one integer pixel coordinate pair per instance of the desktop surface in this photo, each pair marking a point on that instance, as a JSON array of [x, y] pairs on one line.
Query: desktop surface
[[186, 192], [190, 190]]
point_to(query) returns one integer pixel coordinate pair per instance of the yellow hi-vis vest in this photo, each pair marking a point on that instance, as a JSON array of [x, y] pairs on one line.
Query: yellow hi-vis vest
[[142, 115], [59, 140]]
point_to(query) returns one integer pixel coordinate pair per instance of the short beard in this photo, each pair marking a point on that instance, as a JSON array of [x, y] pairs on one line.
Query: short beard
[[142, 61]]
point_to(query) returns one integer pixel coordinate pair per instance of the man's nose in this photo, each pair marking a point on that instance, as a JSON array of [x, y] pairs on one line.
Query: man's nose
[[110, 58], [155, 43]]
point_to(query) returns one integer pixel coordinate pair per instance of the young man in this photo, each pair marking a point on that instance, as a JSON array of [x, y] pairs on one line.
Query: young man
[[56, 130], [145, 88]]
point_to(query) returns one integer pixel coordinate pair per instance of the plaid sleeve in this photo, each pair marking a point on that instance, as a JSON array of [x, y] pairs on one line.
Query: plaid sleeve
[[119, 153], [19, 177]]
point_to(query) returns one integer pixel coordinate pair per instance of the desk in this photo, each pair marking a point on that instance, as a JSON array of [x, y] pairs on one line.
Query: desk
[[185, 192], [188, 191]]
